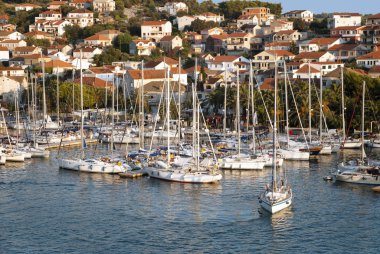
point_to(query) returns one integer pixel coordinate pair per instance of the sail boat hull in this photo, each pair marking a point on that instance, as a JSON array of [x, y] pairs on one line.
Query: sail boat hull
[[357, 178], [275, 206], [242, 164], [182, 176]]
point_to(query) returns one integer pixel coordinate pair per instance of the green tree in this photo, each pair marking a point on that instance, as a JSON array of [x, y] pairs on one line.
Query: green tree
[[198, 25], [122, 41]]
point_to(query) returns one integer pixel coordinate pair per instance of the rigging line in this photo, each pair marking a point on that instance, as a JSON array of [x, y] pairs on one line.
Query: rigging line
[[298, 114]]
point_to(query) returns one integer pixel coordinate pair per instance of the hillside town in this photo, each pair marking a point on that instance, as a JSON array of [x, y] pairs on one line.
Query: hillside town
[[172, 38]]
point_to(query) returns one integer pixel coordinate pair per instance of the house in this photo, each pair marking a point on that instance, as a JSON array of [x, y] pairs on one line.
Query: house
[[288, 35], [170, 43], [11, 35], [141, 47], [370, 35], [26, 7], [4, 54], [12, 44], [268, 84], [111, 34], [325, 67], [338, 19], [209, 16], [252, 29], [88, 53], [216, 43], [81, 17], [81, 4], [374, 72], [26, 50], [212, 31], [307, 71], [373, 19], [229, 63], [304, 15], [155, 30], [193, 37], [55, 28], [56, 5], [172, 8], [10, 86], [4, 19], [98, 40], [318, 44], [266, 60], [104, 6], [247, 20], [319, 56], [78, 63], [278, 25], [34, 59], [103, 72], [184, 21], [347, 33], [369, 60], [162, 63], [49, 16], [7, 27], [344, 52], [58, 67], [262, 13], [134, 77], [59, 56], [11, 71], [179, 74], [238, 43], [65, 49]]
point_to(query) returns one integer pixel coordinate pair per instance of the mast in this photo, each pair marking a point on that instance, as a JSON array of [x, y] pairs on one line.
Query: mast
[[113, 114], [286, 106], [225, 104], [179, 103], [363, 152], [254, 116], [168, 114], [320, 107], [81, 107], [44, 93], [57, 98], [194, 101], [274, 165], [309, 103], [343, 109], [142, 118], [238, 109]]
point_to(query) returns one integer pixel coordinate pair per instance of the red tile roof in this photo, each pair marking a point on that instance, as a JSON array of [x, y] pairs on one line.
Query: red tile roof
[[310, 55], [372, 55], [221, 59], [280, 52], [95, 82], [148, 74], [305, 69], [58, 64], [154, 23]]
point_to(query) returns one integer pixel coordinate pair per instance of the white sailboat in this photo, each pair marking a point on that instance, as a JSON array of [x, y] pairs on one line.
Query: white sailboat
[[277, 196], [190, 172], [358, 171], [241, 161], [88, 165]]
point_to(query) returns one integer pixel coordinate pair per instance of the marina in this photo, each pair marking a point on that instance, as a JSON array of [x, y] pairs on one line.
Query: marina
[[51, 210]]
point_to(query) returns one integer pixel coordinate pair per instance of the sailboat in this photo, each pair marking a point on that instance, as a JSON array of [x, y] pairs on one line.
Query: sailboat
[[276, 197], [241, 161], [88, 165], [196, 172], [358, 171]]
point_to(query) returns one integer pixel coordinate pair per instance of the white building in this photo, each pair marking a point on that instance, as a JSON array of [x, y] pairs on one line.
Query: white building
[[10, 85], [209, 16], [247, 20], [11, 35], [229, 63], [12, 44], [304, 15], [318, 44], [49, 16], [338, 19], [369, 60], [56, 28], [104, 6], [173, 8], [155, 30], [141, 47], [88, 53], [4, 54], [81, 17], [26, 7], [184, 21]]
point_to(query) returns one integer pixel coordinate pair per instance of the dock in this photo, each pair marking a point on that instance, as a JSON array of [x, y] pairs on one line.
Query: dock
[[68, 144]]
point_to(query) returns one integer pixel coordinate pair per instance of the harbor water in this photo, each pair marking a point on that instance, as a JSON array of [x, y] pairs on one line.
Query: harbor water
[[44, 209]]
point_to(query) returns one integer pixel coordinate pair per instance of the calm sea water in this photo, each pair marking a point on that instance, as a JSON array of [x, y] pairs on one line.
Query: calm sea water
[[47, 210]]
